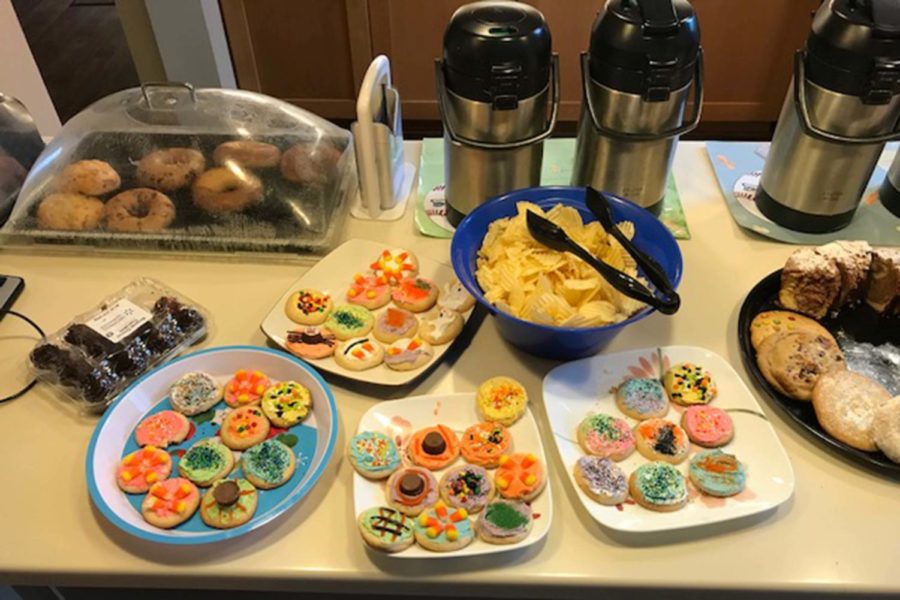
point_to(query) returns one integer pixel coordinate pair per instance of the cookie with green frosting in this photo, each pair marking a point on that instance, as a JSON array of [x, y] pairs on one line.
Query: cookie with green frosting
[[206, 462], [350, 321], [504, 522], [229, 503], [658, 486], [387, 529], [269, 464]]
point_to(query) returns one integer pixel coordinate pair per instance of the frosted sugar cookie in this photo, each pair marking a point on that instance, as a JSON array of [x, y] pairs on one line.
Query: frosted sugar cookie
[[394, 265], [407, 354], [433, 447], [501, 400], [162, 429], [455, 297], [359, 354], [394, 324], [441, 326], [658, 486], [369, 291], [504, 522], [142, 468], [467, 486], [601, 479], [269, 464], [206, 462], [373, 454], [349, 321], [229, 503], [716, 473], [606, 436], [246, 388], [707, 426], [411, 490], [287, 403], [687, 384], [659, 439], [415, 294], [443, 529], [386, 529], [195, 393], [244, 427], [642, 398], [484, 443], [308, 307], [311, 342], [520, 477], [170, 503]]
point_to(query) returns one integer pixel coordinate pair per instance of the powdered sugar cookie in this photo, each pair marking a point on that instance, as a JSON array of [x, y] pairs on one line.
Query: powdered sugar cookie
[[441, 326], [394, 324], [455, 297], [162, 429], [308, 307], [359, 354], [407, 354], [369, 291], [846, 403]]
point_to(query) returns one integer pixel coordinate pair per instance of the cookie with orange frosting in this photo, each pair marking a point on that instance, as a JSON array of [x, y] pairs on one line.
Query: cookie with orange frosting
[[394, 265], [433, 447], [520, 477], [484, 443], [659, 439], [707, 426], [246, 388], [411, 490], [444, 529], [170, 503], [162, 429], [142, 468], [370, 291], [244, 427], [415, 294]]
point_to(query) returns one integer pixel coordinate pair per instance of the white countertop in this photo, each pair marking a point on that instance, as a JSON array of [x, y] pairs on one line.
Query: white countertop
[[840, 531]]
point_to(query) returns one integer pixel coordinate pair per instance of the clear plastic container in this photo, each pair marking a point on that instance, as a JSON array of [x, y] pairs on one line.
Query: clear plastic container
[[288, 195], [100, 352]]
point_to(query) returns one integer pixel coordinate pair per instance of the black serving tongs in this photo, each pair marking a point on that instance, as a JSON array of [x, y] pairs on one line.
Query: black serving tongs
[[553, 236]]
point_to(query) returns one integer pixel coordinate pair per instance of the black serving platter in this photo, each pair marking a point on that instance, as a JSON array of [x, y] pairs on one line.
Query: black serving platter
[[852, 328]]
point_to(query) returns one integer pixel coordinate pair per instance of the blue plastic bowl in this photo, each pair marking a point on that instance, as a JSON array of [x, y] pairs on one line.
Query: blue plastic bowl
[[560, 343]]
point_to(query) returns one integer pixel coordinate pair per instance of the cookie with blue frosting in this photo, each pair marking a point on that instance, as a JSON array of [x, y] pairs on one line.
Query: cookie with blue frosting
[[717, 473]]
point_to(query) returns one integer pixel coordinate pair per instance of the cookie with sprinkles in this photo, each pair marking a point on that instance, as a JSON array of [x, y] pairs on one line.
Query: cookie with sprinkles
[[658, 486], [308, 307], [505, 522], [606, 436], [286, 404], [601, 479], [687, 384], [269, 464], [469, 487], [642, 398], [386, 529], [659, 439], [349, 321], [244, 427]]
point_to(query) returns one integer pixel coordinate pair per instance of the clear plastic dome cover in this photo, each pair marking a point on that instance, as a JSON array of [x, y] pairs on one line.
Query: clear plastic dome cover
[[168, 167]]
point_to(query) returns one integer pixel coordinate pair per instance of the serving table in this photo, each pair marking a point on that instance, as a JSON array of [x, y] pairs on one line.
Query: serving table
[[839, 533]]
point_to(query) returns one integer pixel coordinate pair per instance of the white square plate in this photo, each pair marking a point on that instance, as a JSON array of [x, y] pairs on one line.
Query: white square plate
[[333, 275], [576, 389], [457, 411]]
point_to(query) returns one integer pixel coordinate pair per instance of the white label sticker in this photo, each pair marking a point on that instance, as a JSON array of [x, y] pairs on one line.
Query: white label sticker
[[119, 320]]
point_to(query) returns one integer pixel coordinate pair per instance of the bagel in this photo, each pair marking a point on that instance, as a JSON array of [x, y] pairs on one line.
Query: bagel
[[225, 190], [139, 210], [170, 169], [247, 154]]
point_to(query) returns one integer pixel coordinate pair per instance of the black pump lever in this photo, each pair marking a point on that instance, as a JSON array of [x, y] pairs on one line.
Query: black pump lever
[[659, 16]]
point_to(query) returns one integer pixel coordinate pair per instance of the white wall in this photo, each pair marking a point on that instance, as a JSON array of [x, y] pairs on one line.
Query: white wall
[[19, 75]]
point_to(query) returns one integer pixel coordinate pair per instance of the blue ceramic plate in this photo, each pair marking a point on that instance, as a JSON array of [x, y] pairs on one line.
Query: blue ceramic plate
[[312, 441], [651, 236]]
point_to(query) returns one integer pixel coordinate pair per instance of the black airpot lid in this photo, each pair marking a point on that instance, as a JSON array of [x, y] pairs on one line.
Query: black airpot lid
[[497, 51], [854, 48], [646, 47]]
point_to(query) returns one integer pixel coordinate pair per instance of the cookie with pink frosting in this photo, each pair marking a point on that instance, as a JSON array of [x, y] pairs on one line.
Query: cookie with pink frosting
[[142, 468], [162, 429], [370, 291], [170, 503], [606, 436], [707, 426]]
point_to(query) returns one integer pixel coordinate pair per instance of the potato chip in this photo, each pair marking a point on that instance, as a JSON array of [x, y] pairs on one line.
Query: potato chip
[[528, 280]]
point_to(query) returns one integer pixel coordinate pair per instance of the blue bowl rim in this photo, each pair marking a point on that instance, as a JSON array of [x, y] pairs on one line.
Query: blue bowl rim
[[476, 291]]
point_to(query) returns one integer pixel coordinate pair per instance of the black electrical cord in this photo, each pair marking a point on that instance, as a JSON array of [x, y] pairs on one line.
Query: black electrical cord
[[28, 387]]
